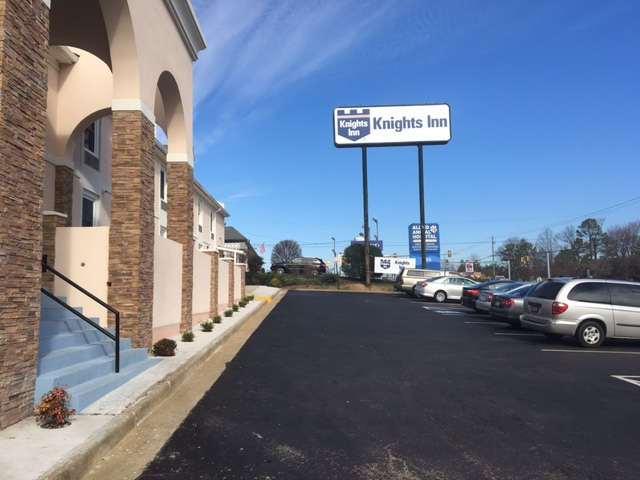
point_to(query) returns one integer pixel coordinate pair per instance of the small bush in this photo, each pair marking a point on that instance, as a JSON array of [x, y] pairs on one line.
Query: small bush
[[188, 336], [164, 348], [242, 304], [235, 308], [53, 410], [228, 313], [207, 326], [217, 319], [328, 278], [249, 298], [276, 282]]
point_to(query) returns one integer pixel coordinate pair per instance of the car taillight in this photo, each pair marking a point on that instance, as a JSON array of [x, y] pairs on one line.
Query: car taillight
[[490, 298], [558, 308], [473, 292], [507, 303]]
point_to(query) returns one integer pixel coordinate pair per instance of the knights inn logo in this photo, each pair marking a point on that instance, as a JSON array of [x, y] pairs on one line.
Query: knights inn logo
[[354, 124]]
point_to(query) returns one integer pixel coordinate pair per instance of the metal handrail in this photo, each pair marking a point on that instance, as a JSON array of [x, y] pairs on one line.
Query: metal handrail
[[115, 337]]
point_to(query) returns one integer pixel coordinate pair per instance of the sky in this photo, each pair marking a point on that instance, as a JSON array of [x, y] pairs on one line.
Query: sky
[[545, 101]]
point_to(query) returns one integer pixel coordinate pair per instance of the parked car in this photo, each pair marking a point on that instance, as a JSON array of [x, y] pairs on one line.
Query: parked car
[[409, 277], [470, 294], [509, 306], [591, 310], [301, 266], [483, 303], [442, 289]]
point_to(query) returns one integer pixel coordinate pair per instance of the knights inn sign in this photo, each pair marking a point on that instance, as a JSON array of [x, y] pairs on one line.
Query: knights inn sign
[[392, 125], [388, 126]]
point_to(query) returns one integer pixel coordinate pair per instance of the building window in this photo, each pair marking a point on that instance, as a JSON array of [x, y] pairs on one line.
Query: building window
[[211, 225], [199, 217], [163, 189], [89, 208], [92, 145]]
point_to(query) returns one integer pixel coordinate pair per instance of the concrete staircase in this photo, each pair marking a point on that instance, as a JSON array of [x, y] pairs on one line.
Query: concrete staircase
[[78, 357]]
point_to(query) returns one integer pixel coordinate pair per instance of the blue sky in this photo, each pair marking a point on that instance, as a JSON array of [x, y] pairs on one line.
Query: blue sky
[[545, 101]]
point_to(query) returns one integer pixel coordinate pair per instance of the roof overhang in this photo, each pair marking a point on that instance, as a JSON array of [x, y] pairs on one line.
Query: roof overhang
[[187, 23]]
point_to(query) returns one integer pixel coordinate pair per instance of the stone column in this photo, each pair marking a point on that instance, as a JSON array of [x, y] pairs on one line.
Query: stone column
[[63, 202], [24, 41], [180, 229], [243, 281], [50, 222], [132, 226], [232, 283], [213, 300]]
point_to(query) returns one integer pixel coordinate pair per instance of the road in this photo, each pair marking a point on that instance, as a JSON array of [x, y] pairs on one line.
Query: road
[[364, 386]]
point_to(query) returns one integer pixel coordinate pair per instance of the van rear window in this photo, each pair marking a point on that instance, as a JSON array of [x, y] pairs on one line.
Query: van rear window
[[547, 290]]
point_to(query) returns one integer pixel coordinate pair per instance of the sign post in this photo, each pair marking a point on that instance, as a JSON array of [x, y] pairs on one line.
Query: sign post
[[392, 125]]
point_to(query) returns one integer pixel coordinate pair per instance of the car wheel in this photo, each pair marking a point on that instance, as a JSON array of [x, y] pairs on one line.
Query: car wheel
[[590, 334], [440, 296], [279, 271]]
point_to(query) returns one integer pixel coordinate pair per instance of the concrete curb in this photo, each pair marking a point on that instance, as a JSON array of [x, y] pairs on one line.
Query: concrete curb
[[98, 445], [339, 291]]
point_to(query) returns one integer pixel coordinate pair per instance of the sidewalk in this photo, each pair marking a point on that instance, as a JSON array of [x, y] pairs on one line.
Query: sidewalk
[[30, 452]]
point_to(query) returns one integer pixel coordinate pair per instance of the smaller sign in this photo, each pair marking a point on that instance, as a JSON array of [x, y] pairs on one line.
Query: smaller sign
[[372, 243], [468, 267], [392, 265]]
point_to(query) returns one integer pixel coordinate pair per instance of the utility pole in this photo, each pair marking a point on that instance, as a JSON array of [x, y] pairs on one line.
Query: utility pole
[[365, 204], [375, 220], [493, 256], [509, 268], [423, 239], [548, 264]]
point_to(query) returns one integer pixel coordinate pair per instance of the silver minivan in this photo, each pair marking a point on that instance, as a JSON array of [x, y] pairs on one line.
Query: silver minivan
[[589, 309]]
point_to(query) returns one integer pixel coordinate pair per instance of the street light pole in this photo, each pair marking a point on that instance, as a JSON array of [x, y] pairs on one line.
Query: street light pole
[[375, 220]]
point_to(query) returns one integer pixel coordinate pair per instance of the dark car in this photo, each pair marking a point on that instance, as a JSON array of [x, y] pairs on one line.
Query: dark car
[[470, 294], [509, 306], [301, 266]]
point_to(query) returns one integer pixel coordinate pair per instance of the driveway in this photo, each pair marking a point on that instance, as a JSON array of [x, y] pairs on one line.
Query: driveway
[[364, 386]]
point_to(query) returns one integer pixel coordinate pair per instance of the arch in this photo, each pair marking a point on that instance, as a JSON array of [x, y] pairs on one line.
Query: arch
[[169, 113]]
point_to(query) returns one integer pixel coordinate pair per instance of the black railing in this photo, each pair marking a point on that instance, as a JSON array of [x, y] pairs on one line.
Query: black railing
[[115, 337]]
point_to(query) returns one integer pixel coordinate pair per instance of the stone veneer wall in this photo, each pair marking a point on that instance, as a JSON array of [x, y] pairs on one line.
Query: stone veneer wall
[[232, 283], [213, 306], [243, 281], [50, 222], [24, 42], [131, 235], [180, 229], [63, 201]]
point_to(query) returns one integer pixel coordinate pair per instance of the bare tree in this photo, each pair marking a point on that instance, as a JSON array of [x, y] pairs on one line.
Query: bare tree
[[623, 241], [284, 251], [547, 241], [567, 237]]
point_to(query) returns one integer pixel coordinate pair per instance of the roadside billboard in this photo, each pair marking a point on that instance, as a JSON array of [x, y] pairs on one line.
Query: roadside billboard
[[432, 242], [392, 265], [392, 125]]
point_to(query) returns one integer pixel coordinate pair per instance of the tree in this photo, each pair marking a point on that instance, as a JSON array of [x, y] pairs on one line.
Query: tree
[[285, 251], [521, 253], [547, 241], [623, 241], [353, 260], [254, 262], [591, 238]]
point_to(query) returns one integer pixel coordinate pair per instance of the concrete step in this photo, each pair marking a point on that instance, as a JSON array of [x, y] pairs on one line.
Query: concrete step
[[74, 375], [86, 393], [65, 357], [50, 327], [78, 338]]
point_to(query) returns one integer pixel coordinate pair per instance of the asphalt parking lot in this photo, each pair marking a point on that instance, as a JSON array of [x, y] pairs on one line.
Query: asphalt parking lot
[[341, 386]]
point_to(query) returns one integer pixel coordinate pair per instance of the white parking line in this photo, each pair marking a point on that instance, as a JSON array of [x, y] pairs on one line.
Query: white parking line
[[486, 323], [632, 379], [448, 312], [575, 350], [520, 334]]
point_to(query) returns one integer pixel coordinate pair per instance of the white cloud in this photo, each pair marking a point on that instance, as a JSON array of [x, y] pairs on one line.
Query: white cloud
[[255, 48]]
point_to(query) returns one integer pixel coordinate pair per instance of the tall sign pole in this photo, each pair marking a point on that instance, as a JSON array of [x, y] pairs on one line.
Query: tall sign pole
[[423, 240], [365, 204]]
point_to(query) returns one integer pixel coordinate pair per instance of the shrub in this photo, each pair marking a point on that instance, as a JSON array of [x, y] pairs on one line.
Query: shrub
[[207, 326], [217, 319], [228, 313], [276, 282], [328, 278], [164, 348], [249, 298], [53, 410], [188, 336], [242, 304], [235, 308]]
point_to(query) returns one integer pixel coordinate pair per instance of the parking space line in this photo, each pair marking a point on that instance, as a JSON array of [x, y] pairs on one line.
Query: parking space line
[[575, 350], [514, 334], [486, 323], [632, 379]]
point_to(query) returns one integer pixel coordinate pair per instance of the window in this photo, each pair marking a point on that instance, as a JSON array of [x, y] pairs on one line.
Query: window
[[92, 145], [88, 208], [199, 216], [547, 290], [590, 292], [163, 185], [468, 283], [625, 295]]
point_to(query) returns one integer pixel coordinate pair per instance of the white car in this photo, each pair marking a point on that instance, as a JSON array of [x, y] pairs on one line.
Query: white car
[[442, 289]]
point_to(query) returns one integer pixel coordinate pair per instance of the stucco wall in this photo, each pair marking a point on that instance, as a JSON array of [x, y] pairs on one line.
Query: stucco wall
[[201, 286], [167, 288], [223, 285], [237, 282], [82, 254]]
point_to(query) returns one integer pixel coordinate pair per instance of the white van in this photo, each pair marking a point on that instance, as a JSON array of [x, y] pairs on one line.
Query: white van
[[409, 277]]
